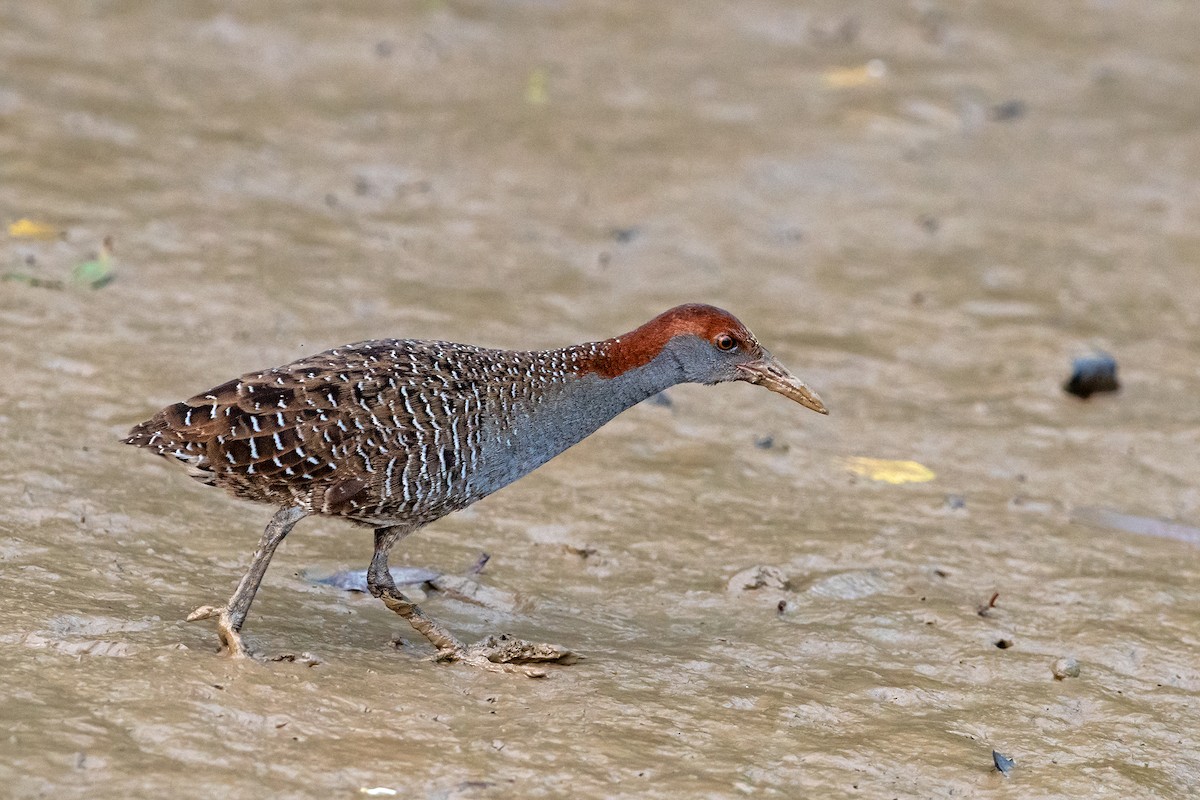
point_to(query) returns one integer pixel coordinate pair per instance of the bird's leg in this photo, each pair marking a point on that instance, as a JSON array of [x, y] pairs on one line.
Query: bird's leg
[[495, 653], [231, 617], [381, 585]]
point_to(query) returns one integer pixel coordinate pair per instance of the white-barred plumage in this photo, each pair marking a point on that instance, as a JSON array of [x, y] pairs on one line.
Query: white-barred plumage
[[396, 433]]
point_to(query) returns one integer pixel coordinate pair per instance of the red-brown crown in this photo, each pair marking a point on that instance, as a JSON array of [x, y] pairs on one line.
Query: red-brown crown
[[642, 345]]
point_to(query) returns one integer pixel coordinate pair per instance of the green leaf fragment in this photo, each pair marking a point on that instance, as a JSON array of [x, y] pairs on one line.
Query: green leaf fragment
[[32, 280], [95, 273]]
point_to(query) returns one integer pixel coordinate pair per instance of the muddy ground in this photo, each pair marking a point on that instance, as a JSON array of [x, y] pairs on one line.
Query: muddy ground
[[926, 209]]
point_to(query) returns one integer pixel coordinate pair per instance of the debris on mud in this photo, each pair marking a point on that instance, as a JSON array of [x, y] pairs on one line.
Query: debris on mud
[[459, 587], [1003, 644], [867, 74], [886, 470], [26, 228], [96, 272], [307, 659], [1064, 668], [769, 442], [584, 551], [984, 609], [506, 654], [1131, 523], [33, 280], [92, 273], [1003, 763], [758, 577], [1091, 375], [355, 580], [504, 649], [1006, 111]]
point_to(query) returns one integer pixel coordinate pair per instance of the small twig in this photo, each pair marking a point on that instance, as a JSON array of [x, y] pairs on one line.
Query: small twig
[[991, 603]]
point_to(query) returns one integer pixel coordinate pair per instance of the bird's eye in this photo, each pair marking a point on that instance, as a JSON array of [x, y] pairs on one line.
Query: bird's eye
[[725, 342]]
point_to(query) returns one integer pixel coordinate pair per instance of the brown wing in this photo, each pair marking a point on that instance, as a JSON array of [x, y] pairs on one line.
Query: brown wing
[[378, 431], [283, 434]]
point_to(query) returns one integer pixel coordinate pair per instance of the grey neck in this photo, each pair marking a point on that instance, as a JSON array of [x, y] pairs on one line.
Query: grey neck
[[533, 429]]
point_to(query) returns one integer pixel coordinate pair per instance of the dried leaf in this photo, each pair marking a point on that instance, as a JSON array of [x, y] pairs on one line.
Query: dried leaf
[[29, 229], [888, 471], [535, 88], [873, 71]]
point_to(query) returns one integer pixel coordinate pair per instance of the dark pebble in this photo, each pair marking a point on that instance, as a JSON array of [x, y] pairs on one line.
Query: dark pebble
[[1092, 374], [1008, 110], [625, 235]]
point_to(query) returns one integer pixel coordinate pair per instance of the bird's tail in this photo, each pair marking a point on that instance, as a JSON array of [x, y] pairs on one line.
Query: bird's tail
[[159, 435]]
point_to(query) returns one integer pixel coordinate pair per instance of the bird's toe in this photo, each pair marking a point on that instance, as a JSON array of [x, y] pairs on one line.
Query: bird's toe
[[505, 649]]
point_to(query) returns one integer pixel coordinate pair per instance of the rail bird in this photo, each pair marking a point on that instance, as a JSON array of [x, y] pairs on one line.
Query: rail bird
[[396, 433]]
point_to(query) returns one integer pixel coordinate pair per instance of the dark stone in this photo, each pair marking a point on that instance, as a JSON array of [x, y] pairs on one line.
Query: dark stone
[[1092, 374], [1008, 110], [625, 235]]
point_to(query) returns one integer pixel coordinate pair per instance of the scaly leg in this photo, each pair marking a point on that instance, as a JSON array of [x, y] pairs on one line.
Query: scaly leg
[[231, 617], [498, 654], [379, 581]]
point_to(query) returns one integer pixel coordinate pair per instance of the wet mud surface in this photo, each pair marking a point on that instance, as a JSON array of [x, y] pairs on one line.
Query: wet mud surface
[[927, 211]]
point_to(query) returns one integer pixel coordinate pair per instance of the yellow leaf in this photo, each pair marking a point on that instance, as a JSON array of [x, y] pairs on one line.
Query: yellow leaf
[[887, 471], [28, 229], [535, 88], [850, 77]]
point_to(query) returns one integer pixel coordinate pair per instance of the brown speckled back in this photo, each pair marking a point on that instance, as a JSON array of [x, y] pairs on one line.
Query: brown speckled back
[[382, 432]]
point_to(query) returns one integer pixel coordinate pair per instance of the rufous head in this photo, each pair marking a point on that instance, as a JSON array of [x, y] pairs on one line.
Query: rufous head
[[710, 345]]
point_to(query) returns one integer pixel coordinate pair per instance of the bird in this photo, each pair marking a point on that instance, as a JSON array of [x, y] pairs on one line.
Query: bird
[[396, 433]]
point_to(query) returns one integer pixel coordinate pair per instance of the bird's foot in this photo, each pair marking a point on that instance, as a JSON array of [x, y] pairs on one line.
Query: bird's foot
[[503, 653], [495, 653], [231, 640]]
